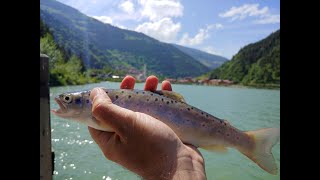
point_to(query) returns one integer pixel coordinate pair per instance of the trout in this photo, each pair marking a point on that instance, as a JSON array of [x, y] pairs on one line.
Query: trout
[[192, 125]]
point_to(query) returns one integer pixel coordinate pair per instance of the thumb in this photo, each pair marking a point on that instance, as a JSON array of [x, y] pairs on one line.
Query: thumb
[[118, 118]]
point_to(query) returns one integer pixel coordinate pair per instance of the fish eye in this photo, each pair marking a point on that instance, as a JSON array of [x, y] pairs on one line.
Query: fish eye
[[67, 99]]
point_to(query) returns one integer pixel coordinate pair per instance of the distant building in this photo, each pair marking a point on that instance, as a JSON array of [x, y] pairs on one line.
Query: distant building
[[227, 82], [217, 82], [186, 80], [172, 80], [142, 76]]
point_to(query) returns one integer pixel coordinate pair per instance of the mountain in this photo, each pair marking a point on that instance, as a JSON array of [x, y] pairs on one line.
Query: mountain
[[255, 64], [210, 60], [100, 45]]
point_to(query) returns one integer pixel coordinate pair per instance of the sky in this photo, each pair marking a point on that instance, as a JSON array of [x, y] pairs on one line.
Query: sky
[[219, 27]]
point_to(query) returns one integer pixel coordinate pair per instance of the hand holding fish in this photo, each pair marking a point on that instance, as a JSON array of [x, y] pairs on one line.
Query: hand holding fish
[[146, 130], [140, 142]]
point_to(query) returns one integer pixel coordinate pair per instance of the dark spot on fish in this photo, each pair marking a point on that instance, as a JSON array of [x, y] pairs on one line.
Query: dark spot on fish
[[228, 134], [117, 96], [107, 92], [88, 101], [142, 92], [221, 122], [237, 137], [188, 109], [129, 96], [207, 115], [78, 101], [191, 107], [188, 119], [156, 99], [171, 101], [225, 123], [151, 94], [122, 91], [175, 101], [160, 105], [137, 92], [219, 131], [201, 112], [203, 125], [168, 102], [161, 99], [147, 99]]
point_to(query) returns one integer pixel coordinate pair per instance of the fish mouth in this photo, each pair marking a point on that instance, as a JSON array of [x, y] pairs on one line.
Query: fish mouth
[[63, 108]]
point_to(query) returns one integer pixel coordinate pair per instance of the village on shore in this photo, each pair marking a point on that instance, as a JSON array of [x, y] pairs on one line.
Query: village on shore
[[142, 75], [189, 80], [186, 80]]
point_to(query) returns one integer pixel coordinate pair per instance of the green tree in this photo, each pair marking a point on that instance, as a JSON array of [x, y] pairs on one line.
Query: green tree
[[49, 47], [254, 64]]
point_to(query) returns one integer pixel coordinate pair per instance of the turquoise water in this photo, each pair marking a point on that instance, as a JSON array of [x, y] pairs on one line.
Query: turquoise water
[[78, 157]]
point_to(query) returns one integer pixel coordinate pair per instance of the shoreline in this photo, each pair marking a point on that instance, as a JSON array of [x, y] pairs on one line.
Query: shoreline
[[267, 86], [260, 86]]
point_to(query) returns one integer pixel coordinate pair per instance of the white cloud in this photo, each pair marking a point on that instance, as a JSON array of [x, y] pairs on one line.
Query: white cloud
[[158, 9], [127, 6], [104, 19], [251, 10], [198, 38], [121, 26], [163, 30], [268, 19], [125, 16], [108, 20], [211, 50], [218, 26], [244, 11]]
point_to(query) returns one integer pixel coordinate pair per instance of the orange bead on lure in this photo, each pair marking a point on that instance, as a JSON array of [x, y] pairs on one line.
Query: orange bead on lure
[[192, 125]]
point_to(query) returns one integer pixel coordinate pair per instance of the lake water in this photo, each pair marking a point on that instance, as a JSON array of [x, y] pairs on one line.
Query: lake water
[[78, 157]]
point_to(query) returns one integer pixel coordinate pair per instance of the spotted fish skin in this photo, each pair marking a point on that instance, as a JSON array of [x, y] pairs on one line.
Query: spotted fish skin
[[192, 125]]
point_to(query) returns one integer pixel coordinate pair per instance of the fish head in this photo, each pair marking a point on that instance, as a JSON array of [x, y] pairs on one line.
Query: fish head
[[73, 105]]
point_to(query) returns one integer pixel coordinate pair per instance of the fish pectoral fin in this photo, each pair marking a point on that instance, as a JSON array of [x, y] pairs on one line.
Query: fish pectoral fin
[[216, 148]]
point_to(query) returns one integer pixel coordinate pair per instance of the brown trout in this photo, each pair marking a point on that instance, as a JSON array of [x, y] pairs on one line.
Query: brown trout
[[192, 125]]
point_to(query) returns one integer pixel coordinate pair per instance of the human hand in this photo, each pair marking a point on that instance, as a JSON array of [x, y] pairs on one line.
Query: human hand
[[141, 143]]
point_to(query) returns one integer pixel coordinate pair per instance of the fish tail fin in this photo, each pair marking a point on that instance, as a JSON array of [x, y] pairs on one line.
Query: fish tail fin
[[264, 140]]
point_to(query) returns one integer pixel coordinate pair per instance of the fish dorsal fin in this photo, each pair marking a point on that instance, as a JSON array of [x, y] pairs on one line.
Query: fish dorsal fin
[[226, 121], [215, 148], [171, 94]]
